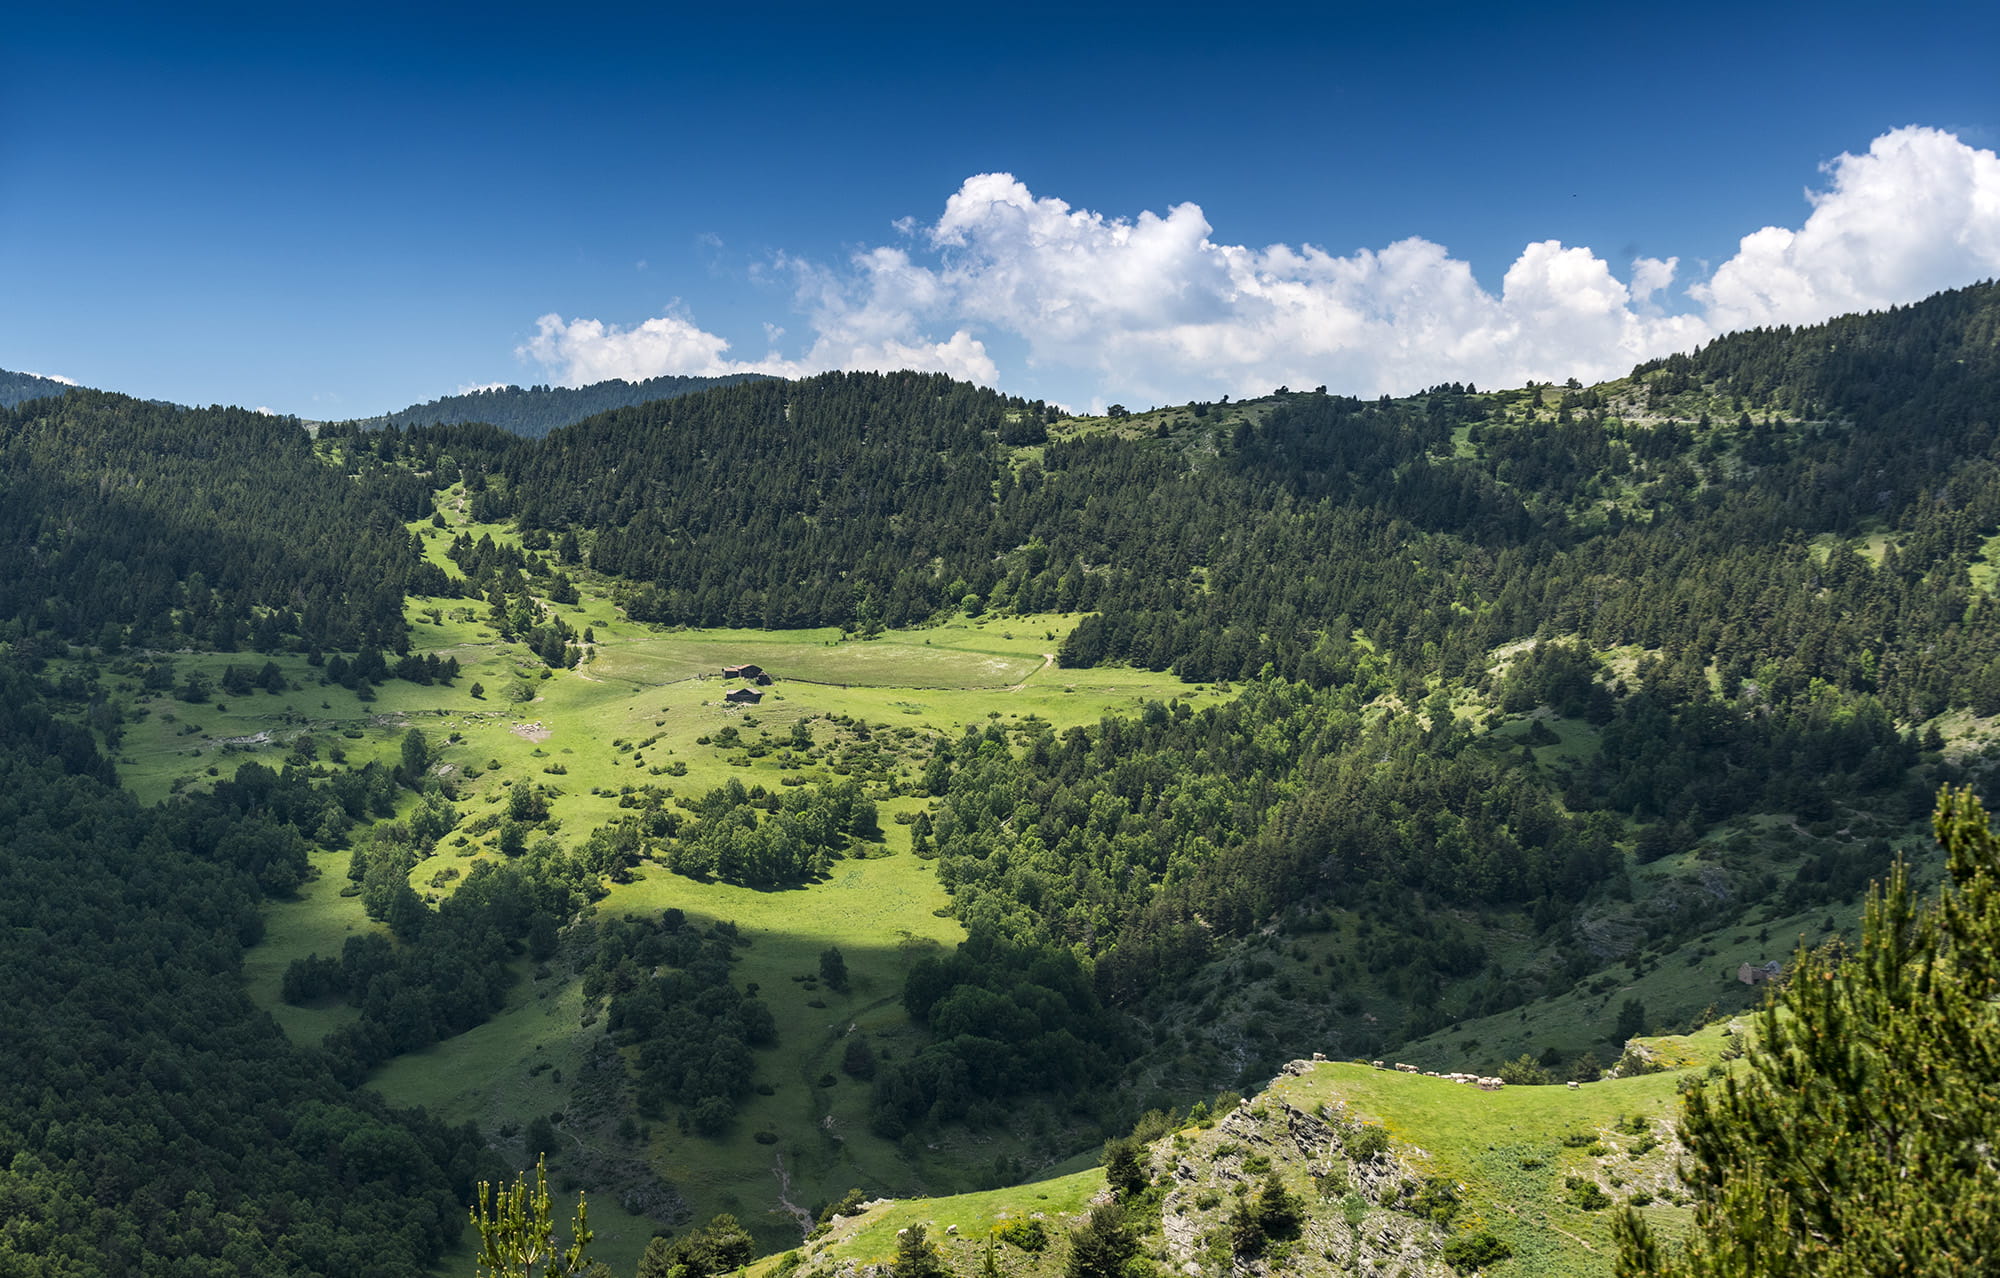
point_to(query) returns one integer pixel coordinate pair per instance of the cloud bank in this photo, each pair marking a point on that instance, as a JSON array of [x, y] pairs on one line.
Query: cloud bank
[[1156, 307]]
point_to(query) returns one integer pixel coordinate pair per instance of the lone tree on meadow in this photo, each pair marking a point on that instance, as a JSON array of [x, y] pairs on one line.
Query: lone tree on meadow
[[833, 968]]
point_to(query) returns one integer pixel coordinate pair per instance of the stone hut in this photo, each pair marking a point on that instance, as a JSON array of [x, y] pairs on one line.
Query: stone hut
[[1758, 973]]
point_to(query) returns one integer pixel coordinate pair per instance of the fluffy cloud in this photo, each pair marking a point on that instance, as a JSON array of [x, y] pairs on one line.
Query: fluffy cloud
[[1157, 307], [876, 316], [588, 350], [53, 377], [877, 333], [1918, 213]]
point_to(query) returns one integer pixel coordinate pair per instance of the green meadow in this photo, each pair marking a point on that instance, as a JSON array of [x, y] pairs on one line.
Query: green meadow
[[959, 1225]]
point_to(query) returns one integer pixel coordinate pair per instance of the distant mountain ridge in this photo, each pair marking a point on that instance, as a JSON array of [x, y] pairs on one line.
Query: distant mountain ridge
[[534, 411], [19, 388]]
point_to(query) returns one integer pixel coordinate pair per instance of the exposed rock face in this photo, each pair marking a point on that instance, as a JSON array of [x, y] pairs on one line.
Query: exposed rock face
[[1357, 1224]]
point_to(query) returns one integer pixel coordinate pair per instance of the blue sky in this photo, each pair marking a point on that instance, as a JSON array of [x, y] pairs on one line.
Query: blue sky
[[334, 211]]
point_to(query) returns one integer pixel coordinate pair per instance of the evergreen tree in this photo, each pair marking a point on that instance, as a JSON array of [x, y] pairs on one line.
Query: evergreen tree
[[1859, 1139], [416, 757], [517, 1232], [858, 1060], [833, 968], [916, 1257], [1100, 1244], [1124, 1167]]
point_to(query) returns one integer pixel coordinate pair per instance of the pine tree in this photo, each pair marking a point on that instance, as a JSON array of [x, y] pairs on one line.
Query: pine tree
[[1100, 1244], [517, 1232], [916, 1257], [833, 968], [1860, 1140], [1125, 1167]]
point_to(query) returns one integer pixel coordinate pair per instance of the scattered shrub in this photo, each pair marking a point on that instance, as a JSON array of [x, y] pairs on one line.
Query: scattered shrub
[[1469, 1252], [1028, 1235]]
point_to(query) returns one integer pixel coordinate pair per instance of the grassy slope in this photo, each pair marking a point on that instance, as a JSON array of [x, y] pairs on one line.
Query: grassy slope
[[1506, 1150]]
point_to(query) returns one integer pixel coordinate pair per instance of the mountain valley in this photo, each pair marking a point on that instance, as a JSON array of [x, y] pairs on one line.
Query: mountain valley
[[789, 795]]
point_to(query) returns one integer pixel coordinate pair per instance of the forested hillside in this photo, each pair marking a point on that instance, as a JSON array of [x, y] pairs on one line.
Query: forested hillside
[[1746, 577], [782, 504], [534, 411], [152, 1120], [1677, 511], [1491, 723], [130, 521]]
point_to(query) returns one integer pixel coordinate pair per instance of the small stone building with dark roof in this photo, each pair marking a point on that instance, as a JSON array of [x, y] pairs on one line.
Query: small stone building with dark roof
[[743, 696], [1758, 973]]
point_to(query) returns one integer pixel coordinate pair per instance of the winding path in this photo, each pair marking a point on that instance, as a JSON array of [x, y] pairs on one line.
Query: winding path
[[1048, 659]]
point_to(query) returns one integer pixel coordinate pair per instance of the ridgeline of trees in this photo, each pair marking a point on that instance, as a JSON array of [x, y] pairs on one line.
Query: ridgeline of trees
[[534, 411], [783, 504], [1435, 528]]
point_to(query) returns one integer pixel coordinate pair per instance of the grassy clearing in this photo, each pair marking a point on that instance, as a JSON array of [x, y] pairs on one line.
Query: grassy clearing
[[1985, 568], [958, 658], [318, 920]]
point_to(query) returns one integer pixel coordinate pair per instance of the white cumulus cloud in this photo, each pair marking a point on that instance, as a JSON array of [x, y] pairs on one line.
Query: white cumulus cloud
[[1919, 212], [588, 350], [1156, 307], [878, 336], [1159, 306], [53, 377]]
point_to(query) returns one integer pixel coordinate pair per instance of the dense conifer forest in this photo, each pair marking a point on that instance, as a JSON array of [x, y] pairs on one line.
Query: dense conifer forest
[[160, 526], [151, 1119]]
